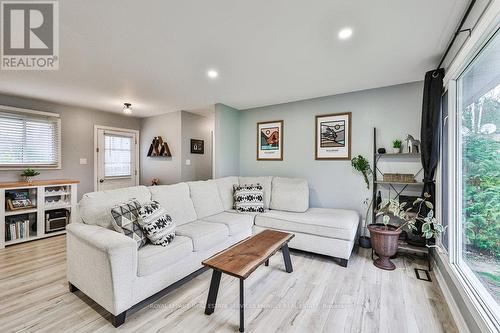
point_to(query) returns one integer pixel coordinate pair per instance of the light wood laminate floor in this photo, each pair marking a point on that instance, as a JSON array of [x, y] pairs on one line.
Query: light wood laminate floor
[[319, 296]]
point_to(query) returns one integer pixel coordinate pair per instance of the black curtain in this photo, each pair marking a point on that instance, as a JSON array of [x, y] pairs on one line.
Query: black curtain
[[429, 132]]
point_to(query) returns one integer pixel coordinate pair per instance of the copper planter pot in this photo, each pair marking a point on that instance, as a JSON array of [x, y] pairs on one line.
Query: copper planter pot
[[385, 243]]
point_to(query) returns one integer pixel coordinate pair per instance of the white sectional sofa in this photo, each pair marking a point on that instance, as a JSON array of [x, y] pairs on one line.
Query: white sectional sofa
[[107, 267]]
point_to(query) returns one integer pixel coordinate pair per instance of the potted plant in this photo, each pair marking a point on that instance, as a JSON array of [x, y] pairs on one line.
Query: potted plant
[[362, 165], [396, 146], [385, 236], [28, 174]]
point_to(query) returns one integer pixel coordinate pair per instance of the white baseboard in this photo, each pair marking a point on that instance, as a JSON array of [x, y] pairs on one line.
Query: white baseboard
[[455, 312]]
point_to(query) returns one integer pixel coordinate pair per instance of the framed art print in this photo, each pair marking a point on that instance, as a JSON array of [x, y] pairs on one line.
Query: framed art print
[[270, 140], [333, 136], [197, 146]]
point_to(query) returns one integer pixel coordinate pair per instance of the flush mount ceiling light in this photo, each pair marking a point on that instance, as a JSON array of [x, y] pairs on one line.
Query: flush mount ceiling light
[[127, 108], [212, 73], [345, 33]]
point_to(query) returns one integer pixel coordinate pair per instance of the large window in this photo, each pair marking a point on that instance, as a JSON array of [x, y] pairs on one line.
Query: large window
[[29, 140], [478, 174]]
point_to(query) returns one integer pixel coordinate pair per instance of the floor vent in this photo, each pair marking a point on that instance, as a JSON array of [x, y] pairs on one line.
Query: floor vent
[[423, 274]]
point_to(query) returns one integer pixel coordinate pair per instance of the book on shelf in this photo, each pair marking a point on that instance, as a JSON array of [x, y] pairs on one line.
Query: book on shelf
[[17, 230]]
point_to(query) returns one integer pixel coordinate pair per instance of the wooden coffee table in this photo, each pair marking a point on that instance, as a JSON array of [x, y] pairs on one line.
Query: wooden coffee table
[[241, 259]]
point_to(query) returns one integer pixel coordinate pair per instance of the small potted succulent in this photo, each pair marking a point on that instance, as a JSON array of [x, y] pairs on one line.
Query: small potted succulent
[[28, 174], [396, 146], [385, 236], [362, 165]]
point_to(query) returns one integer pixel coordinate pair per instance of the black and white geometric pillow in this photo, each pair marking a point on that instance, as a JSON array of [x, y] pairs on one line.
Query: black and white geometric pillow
[[249, 198], [156, 224], [125, 221]]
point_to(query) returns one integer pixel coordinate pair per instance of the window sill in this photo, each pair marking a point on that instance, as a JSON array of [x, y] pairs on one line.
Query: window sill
[[482, 318]]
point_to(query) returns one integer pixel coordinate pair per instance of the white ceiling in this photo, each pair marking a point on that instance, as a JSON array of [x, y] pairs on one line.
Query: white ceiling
[[156, 54]]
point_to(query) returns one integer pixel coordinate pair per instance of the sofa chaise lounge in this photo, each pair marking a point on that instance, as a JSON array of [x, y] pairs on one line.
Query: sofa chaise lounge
[[107, 267]]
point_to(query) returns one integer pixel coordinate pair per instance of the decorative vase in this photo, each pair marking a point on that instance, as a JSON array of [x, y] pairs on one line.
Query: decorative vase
[[385, 243], [29, 179]]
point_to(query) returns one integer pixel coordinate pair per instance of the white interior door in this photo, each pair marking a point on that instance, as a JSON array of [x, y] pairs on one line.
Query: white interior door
[[116, 159]]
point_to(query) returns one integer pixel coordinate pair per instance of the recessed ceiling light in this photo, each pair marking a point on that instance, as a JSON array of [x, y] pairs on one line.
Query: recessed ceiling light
[[212, 74], [345, 33], [127, 108]]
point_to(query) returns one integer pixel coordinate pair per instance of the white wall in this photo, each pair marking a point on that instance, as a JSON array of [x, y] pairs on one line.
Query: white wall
[[394, 110]]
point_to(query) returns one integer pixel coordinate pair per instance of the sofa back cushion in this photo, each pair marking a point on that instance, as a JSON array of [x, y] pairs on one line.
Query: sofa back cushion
[[176, 201], [225, 187], [290, 194], [95, 207], [206, 199], [266, 185]]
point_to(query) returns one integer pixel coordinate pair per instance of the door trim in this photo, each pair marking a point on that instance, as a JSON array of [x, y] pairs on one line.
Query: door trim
[[126, 130]]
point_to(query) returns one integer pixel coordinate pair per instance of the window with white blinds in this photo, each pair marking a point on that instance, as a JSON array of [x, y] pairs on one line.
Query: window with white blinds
[[29, 140]]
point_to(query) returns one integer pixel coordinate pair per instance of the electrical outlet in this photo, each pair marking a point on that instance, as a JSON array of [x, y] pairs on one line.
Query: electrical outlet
[[188, 162], [83, 161]]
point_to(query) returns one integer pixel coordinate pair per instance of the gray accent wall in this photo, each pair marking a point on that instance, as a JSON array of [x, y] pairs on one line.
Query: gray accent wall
[[194, 126], [394, 110], [227, 141], [77, 138], [177, 129], [167, 169]]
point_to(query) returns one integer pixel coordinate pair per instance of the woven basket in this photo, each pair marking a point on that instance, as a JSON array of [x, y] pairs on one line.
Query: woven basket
[[399, 177]]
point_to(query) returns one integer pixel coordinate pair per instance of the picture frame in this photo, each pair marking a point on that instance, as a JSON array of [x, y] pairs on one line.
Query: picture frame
[[333, 136], [197, 146], [270, 140]]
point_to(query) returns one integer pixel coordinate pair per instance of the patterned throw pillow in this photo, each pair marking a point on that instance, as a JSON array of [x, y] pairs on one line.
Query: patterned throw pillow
[[249, 198], [125, 221], [156, 224]]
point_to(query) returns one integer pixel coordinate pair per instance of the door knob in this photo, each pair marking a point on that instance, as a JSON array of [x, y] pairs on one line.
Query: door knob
[[101, 180]]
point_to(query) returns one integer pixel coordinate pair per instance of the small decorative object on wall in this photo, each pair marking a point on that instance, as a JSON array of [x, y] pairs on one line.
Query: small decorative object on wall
[[270, 140], [381, 151], [155, 181], [396, 146], [159, 148], [412, 144], [197, 146], [333, 136], [28, 174]]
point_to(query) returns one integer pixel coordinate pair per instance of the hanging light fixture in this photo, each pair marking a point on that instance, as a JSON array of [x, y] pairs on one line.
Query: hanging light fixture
[[127, 108]]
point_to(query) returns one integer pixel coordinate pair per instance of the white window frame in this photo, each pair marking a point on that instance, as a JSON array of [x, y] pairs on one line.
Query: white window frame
[[477, 299], [56, 116], [137, 157]]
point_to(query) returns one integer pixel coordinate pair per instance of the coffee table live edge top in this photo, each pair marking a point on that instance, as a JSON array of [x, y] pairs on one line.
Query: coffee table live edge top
[[242, 258]]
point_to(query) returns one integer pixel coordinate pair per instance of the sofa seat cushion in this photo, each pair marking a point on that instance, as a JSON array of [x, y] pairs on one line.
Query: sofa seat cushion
[[204, 235], [152, 258], [235, 222], [325, 222]]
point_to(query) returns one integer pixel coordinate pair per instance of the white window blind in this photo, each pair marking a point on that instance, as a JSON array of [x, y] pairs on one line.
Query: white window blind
[[29, 140]]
